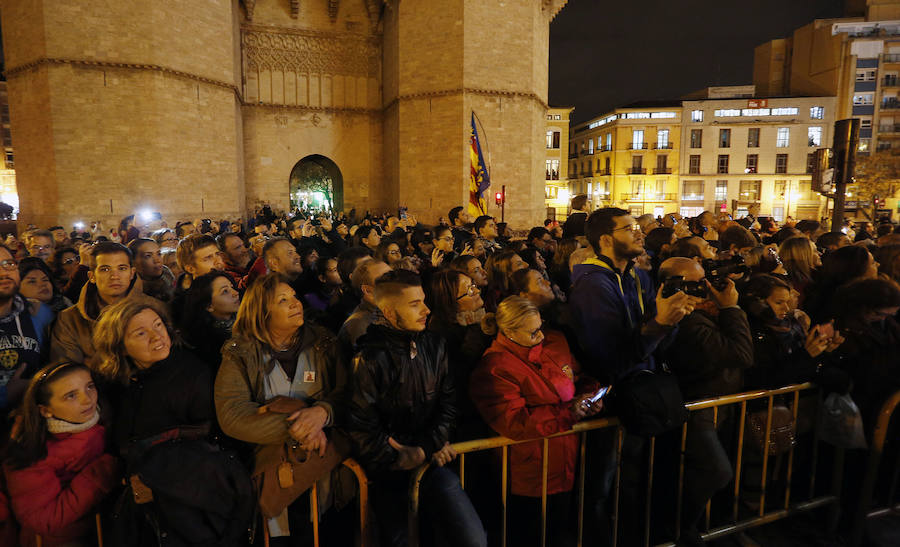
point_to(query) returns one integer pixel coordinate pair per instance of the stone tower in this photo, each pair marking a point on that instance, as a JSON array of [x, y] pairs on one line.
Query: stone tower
[[118, 106], [203, 108], [442, 60]]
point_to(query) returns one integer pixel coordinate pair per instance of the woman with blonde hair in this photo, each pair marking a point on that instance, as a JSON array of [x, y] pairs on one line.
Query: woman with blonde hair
[[163, 416], [281, 382], [525, 388]]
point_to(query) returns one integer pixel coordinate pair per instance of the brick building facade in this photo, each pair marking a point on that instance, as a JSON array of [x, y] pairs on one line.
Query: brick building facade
[[202, 109]]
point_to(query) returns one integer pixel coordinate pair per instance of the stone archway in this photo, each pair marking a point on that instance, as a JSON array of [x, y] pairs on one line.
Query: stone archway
[[316, 182]]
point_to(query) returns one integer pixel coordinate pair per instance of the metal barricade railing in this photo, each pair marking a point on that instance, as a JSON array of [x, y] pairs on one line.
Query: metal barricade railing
[[873, 467], [363, 499], [583, 428]]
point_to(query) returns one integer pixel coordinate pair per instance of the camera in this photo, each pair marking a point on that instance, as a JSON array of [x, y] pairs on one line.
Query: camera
[[676, 283], [718, 271]]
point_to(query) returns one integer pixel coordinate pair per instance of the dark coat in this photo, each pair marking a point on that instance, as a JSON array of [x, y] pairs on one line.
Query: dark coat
[[574, 225], [465, 346], [710, 354], [402, 388], [202, 494]]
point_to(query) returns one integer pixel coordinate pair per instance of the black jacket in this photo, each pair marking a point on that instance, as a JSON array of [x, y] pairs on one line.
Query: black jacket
[[465, 346], [402, 389], [710, 353]]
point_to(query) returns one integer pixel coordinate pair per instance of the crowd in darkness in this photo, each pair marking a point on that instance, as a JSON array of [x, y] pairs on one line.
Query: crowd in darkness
[[161, 378]]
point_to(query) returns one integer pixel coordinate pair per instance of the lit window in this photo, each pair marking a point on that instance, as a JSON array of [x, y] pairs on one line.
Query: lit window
[[815, 136], [692, 190], [864, 145], [784, 137], [721, 190], [590, 144], [609, 141], [637, 139], [817, 112], [662, 138], [755, 112], [727, 113], [696, 115], [863, 99], [788, 111], [556, 117]]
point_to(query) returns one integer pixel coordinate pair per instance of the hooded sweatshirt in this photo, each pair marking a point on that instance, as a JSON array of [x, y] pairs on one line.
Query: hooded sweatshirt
[[21, 340]]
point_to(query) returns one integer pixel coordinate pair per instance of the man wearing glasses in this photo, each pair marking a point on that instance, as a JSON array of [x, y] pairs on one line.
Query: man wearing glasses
[[40, 245], [22, 325], [620, 320]]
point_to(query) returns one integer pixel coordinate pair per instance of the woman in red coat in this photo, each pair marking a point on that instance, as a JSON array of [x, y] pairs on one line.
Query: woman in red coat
[[57, 468], [524, 388]]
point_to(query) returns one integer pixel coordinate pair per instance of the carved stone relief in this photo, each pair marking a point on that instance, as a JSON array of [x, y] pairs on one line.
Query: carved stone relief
[[304, 51]]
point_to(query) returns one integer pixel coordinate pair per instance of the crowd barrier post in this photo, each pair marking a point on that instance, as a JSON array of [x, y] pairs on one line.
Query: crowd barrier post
[[879, 435]]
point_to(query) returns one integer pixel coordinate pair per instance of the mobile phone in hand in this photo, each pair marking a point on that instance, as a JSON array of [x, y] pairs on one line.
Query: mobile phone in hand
[[601, 393]]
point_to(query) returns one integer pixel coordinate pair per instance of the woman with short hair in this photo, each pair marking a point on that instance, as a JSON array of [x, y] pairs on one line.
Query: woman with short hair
[[162, 403], [524, 388]]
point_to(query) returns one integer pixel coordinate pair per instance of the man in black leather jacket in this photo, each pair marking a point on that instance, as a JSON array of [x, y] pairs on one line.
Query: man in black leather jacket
[[402, 415]]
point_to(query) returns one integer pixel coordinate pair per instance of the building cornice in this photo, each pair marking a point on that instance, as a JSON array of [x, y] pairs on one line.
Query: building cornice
[[470, 91], [93, 63]]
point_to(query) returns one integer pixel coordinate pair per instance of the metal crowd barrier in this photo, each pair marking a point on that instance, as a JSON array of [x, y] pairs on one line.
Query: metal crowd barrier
[[876, 452], [763, 515]]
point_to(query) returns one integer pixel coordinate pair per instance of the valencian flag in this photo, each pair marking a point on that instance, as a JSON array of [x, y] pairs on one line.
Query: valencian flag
[[479, 179]]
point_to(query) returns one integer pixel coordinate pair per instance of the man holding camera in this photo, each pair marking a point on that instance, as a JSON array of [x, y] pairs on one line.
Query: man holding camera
[[712, 347]]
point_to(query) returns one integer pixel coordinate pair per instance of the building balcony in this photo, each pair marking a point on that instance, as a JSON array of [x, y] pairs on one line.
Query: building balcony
[[891, 58], [638, 145], [587, 152], [637, 170], [663, 146], [662, 171], [890, 105], [602, 173], [573, 156], [890, 81], [882, 129], [647, 196], [602, 195], [692, 197], [552, 175]]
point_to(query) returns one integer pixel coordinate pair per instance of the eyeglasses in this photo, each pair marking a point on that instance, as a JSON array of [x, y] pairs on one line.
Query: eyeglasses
[[8, 265], [471, 291]]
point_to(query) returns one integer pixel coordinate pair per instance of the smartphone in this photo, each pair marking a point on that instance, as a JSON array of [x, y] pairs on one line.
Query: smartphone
[[601, 393]]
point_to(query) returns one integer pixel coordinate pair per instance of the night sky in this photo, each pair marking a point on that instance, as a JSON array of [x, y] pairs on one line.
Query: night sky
[[605, 54]]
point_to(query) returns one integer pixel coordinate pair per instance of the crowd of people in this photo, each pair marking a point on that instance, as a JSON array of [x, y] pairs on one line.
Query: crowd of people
[[189, 383]]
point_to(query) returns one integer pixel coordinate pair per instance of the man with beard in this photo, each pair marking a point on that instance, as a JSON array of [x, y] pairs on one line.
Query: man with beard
[[402, 414], [21, 334], [620, 320]]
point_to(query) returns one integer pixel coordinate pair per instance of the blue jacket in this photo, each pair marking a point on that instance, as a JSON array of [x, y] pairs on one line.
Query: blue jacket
[[615, 326]]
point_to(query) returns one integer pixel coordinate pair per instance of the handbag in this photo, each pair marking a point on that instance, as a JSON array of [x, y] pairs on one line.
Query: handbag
[[285, 471], [649, 403], [782, 435], [840, 422]]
